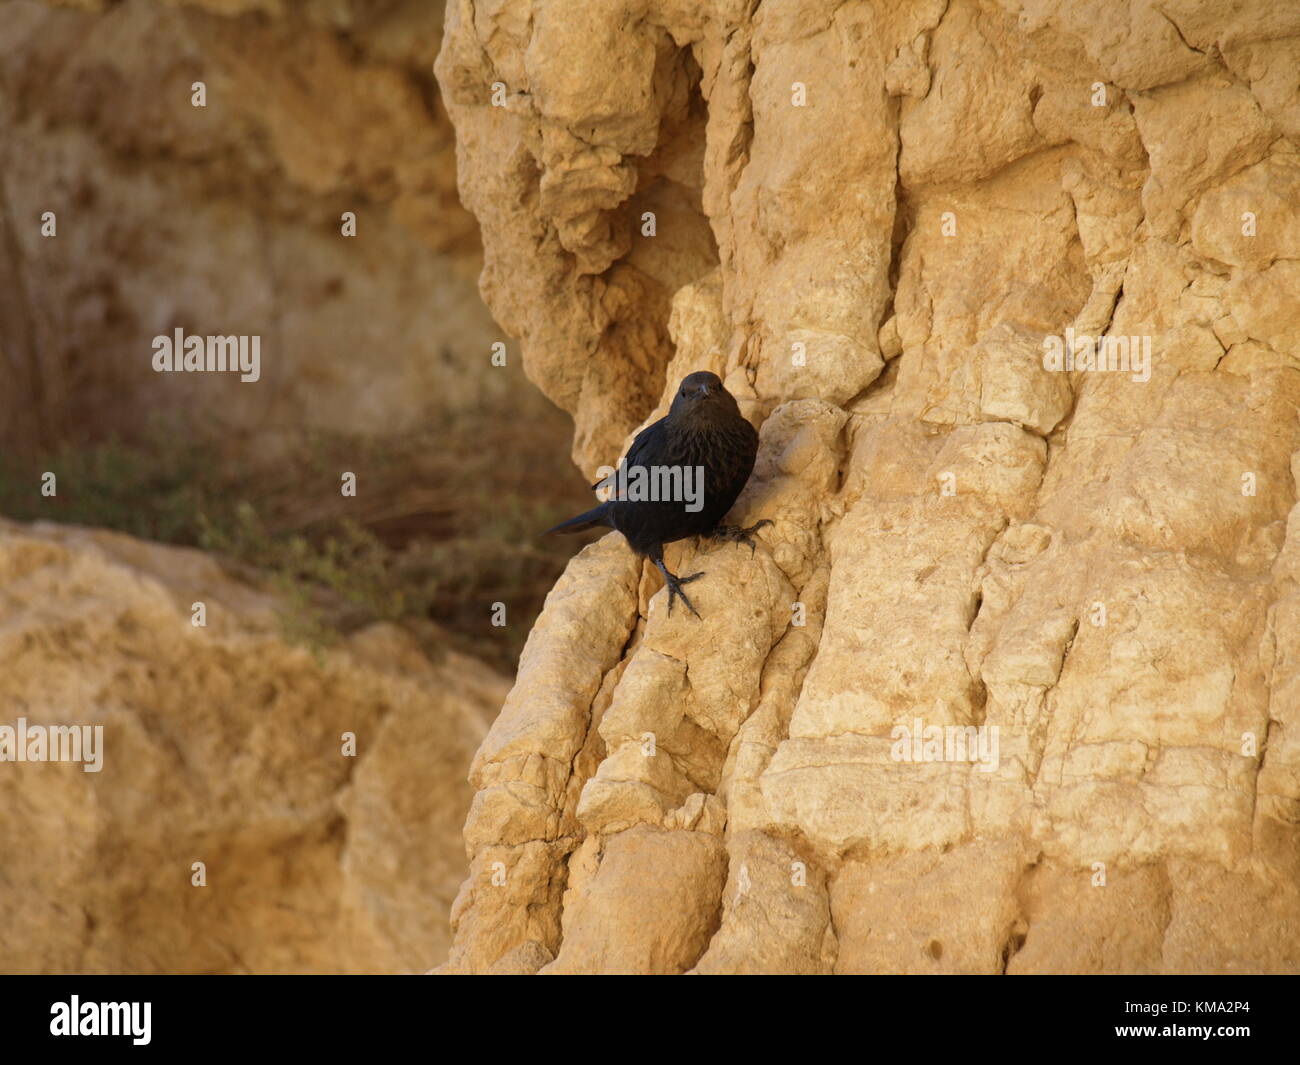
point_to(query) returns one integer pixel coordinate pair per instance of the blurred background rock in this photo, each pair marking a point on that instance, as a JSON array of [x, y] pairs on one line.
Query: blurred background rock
[[226, 219]]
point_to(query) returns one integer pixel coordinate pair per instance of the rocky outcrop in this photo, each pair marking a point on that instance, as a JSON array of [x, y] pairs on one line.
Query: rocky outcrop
[[322, 792], [870, 219]]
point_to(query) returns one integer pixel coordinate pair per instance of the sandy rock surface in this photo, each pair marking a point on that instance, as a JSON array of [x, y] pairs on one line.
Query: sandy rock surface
[[867, 218], [222, 744]]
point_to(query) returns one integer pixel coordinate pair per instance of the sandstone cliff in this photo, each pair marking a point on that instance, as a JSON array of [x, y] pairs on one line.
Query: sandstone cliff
[[222, 744], [867, 217]]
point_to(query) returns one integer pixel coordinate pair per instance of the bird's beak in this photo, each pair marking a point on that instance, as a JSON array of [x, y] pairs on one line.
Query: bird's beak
[[704, 390]]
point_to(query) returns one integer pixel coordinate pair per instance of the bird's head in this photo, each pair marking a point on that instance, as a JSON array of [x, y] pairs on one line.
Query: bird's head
[[702, 394]]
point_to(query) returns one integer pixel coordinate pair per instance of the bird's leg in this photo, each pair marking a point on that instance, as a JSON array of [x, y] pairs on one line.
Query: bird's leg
[[737, 535], [675, 585]]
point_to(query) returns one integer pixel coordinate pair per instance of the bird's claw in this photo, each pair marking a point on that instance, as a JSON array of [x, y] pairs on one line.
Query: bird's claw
[[737, 535], [675, 592]]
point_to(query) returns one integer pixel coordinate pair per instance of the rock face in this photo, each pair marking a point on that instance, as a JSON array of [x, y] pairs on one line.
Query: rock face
[[871, 219], [222, 744]]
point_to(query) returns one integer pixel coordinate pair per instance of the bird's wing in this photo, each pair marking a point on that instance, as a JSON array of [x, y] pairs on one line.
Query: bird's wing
[[648, 449], [649, 446]]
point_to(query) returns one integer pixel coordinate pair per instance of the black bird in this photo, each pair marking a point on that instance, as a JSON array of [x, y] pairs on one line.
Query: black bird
[[703, 429]]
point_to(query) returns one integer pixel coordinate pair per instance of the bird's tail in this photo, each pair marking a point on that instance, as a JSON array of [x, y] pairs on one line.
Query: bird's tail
[[587, 520]]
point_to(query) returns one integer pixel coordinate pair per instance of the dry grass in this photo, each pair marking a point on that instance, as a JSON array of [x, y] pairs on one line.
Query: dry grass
[[444, 523]]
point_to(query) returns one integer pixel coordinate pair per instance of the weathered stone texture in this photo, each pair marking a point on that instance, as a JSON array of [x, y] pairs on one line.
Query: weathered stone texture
[[869, 218]]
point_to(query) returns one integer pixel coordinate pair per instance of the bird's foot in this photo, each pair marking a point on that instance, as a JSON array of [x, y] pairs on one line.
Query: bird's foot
[[675, 587], [675, 592], [737, 535]]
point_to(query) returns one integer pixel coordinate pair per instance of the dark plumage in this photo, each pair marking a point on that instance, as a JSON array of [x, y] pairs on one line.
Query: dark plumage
[[703, 428]]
